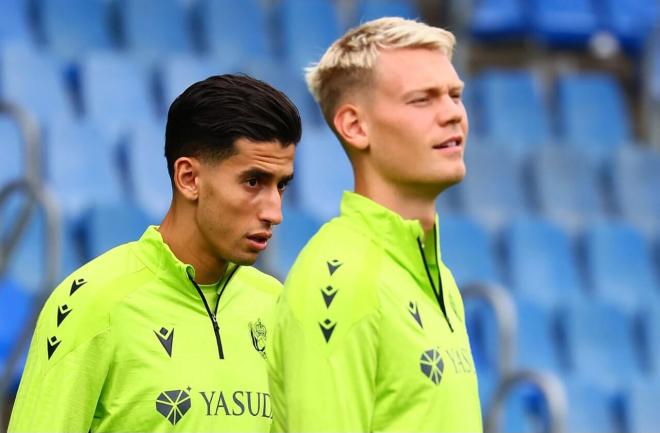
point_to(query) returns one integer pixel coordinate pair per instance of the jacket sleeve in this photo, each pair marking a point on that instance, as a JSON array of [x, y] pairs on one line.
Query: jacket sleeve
[[59, 393], [324, 360]]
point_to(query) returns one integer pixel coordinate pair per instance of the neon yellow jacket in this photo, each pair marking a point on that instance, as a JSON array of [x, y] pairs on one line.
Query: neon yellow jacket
[[367, 335], [126, 343]]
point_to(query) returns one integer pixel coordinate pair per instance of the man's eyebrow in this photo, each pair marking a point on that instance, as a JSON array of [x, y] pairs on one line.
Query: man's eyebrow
[[261, 174]]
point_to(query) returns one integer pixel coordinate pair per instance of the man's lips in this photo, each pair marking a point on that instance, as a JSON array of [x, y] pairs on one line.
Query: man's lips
[[452, 142], [259, 240]]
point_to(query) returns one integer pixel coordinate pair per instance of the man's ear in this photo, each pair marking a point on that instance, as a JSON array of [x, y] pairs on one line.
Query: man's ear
[[186, 177], [349, 122]]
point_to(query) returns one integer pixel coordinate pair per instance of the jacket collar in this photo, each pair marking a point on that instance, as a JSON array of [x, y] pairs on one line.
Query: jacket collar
[[400, 237], [160, 259]]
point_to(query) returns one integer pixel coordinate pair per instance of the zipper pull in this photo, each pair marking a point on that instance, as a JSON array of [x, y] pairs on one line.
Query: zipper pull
[[215, 322]]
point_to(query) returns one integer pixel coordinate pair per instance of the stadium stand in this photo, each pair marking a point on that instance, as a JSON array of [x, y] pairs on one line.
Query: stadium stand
[[560, 205]]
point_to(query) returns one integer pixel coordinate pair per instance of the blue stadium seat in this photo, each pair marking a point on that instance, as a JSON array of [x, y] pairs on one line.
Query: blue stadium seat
[[641, 406], [631, 21], [563, 23], [371, 9], [492, 189], [635, 180], [26, 265], [496, 19], [73, 28], [116, 92], [12, 150], [650, 339], [512, 110], [308, 28], [288, 240], [80, 167], [597, 129], [15, 23], [566, 186], [35, 81], [598, 343], [15, 307], [235, 31], [106, 226], [537, 337], [323, 172], [155, 28], [178, 72], [618, 265], [467, 250], [292, 83], [541, 262], [590, 408], [147, 169]]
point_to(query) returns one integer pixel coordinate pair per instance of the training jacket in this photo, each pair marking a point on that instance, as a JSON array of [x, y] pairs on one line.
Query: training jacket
[[370, 332], [126, 343]]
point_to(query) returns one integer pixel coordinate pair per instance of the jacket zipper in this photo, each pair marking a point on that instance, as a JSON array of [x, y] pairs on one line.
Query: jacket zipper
[[213, 315], [439, 295]]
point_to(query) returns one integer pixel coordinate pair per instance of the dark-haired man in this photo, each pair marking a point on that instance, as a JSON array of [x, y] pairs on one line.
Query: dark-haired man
[[168, 333]]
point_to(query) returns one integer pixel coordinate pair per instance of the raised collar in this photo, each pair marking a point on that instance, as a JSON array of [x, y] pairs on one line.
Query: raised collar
[[399, 236], [158, 257]]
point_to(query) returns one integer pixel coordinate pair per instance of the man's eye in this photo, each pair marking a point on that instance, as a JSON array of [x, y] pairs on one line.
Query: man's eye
[[252, 182], [420, 100], [282, 185]]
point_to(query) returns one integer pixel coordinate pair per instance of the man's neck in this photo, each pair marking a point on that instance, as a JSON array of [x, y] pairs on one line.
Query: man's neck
[[188, 246]]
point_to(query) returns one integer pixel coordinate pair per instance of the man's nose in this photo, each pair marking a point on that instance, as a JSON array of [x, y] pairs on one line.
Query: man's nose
[[271, 208]]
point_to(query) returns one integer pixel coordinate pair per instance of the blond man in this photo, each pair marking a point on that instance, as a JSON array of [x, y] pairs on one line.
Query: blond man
[[370, 333]]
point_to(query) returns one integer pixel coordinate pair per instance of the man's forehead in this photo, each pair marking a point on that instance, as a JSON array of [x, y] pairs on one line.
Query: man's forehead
[[406, 69], [261, 153]]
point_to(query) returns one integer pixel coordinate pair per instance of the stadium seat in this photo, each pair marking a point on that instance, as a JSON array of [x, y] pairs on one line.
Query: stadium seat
[[116, 92], [292, 83], [641, 406], [35, 81], [541, 262], [106, 226], [371, 9], [308, 28], [74, 28], [512, 111], [635, 181], [497, 19], [14, 22], [650, 339], [492, 190], [235, 31], [26, 265], [590, 408], [147, 169], [566, 187], [631, 21], [288, 240], [323, 172], [155, 28], [80, 167], [598, 344], [467, 250], [15, 308], [563, 23], [597, 129], [537, 347], [12, 150], [178, 72], [618, 265]]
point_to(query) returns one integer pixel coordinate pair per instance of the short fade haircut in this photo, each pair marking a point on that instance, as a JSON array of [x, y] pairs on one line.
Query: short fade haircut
[[209, 116], [349, 62]]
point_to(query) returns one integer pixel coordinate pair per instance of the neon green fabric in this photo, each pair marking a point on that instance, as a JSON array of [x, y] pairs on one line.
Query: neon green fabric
[[126, 344], [361, 342]]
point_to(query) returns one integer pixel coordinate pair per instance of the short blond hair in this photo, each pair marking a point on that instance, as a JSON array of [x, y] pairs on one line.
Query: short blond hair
[[349, 62]]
